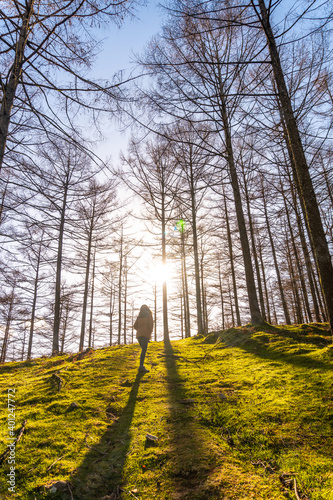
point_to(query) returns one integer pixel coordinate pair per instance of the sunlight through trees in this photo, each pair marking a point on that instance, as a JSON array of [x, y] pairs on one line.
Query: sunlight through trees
[[217, 213]]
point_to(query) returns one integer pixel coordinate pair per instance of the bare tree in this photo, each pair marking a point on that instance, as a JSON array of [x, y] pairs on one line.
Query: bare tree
[[302, 175], [149, 171], [93, 224], [40, 43], [197, 82]]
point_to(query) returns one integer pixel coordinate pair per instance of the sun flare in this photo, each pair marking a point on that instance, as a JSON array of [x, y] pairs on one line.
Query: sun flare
[[161, 273]]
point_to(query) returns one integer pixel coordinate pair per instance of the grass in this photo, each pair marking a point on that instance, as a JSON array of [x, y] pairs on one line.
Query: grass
[[238, 415]]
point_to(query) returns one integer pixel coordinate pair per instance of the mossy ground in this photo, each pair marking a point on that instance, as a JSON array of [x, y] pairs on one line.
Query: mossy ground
[[235, 419]]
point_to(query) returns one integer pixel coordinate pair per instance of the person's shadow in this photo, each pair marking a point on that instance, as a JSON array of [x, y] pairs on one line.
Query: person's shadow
[[190, 456], [100, 473]]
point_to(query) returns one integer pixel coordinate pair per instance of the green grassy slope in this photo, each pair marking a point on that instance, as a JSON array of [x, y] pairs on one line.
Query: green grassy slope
[[239, 414]]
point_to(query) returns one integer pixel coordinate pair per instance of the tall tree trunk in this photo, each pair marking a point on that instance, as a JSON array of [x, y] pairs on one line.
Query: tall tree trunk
[[164, 261], [294, 285], [34, 301], [7, 328], [120, 285], [328, 185], [306, 254], [86, 286], [319, 296], [9, 88], [132, 323], [295, 251], [181, 316], [254, 249], [111, 307], [125, 301], [155, 312], [277, 271], [3, 197], [231, 305], [265, 283], [92, 299], [23, 343], [185, 286], [221, 296], [196, 254], [64, 328], [321, 293], [273, 306], [56, 322], [203, 296], [256, 317], [306, 190], [231, 258]]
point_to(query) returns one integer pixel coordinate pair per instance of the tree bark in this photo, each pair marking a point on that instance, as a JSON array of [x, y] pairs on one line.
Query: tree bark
[[34, 301], [92, 299], [295, 251], [164, 261], [56, 322], [221, 296], [306, 254], [277, 271], [196, 254], [254, 250], [120, 286], [231, 305], [203, 296], [7, 329], [294, 286], [185, 286], [111, 308], [155, 312], [231, 258], [125, 300], [86, 284], [9, 89], [265, 283], [256, 317]]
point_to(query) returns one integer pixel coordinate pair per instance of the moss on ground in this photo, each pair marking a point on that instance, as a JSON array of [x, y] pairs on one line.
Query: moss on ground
[[238, 414]]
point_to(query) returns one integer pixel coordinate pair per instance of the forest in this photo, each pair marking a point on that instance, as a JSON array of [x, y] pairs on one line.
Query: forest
[[218, 213]]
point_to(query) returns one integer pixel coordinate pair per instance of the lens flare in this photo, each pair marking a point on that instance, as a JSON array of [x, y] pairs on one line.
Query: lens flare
[[180, 226]]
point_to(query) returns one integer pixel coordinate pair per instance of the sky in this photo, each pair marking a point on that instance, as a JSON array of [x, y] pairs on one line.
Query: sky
[[131, 38], [117, 54]]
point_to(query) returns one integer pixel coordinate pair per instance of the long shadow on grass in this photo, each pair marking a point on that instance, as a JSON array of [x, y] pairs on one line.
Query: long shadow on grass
[[298, 358], [100, 473], [190, 460]]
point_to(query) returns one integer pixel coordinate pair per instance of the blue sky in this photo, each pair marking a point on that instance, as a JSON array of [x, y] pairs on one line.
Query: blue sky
[[131, 38], [119, 47]]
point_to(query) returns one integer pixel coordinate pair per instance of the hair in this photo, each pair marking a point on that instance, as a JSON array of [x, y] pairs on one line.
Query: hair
[[145, 312]]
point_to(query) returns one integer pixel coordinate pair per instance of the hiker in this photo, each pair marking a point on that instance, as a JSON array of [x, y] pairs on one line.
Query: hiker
[[144, 327]]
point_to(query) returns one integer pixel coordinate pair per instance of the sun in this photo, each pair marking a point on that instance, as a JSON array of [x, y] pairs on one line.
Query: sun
[[162, 273]]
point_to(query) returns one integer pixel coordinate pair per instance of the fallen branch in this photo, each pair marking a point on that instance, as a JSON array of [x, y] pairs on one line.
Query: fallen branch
[[132, 494], [289, 481], [92, 447], [72, 498], [55, 462], [20, 433], [295, 489]]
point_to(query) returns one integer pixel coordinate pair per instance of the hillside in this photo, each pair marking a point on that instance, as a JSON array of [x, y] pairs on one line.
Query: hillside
[[242, 414]]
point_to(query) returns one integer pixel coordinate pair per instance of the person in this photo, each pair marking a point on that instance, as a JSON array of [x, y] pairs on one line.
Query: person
[[144, 328]]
